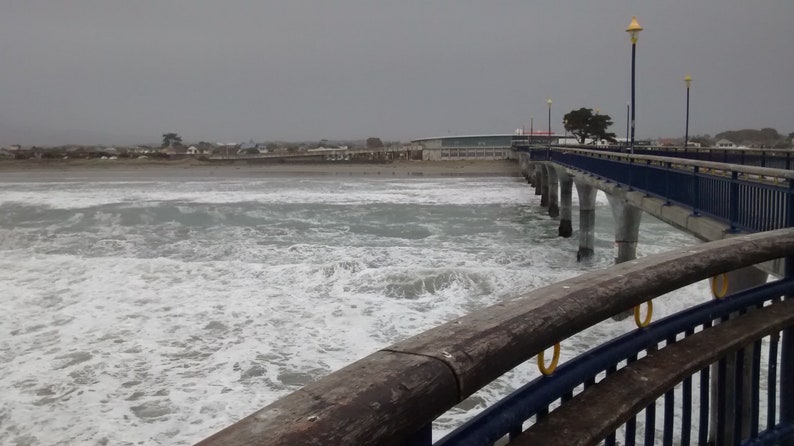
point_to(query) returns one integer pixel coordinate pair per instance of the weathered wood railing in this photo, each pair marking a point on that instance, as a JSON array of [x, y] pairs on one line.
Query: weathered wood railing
[[392, 396]]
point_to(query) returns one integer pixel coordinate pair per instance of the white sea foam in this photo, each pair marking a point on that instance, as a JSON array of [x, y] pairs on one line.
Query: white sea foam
[[76, 195], [158, 312]]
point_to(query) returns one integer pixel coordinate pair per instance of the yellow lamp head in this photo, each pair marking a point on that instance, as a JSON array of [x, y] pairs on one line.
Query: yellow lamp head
[[688, 80], [548, 102], [634, 29]]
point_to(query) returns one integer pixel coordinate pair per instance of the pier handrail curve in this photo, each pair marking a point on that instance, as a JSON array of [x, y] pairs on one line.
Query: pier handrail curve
[[752, 170], [391, 394], [690, 149]]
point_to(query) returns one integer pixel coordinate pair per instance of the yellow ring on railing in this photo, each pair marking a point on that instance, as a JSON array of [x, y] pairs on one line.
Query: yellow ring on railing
[[554, 360], [643, 323], [723, 290]]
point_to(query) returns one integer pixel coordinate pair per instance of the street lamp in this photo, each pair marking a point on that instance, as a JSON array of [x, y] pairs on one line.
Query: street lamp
[[531, 120], [628, 107], [634, 31], [688, 82], [548, 102]]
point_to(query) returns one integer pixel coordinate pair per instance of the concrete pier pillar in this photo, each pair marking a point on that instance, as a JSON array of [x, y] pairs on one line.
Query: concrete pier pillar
[[587, 196], [538, 179], [627, 229], [523, 163], [554, 191], [566, 192], [531, 171], [544, 185], [727, 284]]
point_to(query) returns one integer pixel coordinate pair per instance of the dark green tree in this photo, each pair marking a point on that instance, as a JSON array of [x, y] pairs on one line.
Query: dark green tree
[[171, 139], [703, 140], [584, 125], [374, 143]]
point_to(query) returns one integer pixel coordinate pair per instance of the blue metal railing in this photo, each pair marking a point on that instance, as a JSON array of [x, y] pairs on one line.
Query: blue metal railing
[[506, 417], [745, 200], [771, 158]]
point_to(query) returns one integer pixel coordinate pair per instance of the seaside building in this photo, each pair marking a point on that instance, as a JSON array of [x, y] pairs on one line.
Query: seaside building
[[470, 147]]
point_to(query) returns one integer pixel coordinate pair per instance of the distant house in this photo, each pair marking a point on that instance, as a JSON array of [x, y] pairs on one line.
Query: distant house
[[173, 150], [670, 142], [248, 145], [192, 150], [5, 154], [726, 144]]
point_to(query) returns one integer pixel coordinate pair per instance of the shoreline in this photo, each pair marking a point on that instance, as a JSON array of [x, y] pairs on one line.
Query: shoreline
[[134, 168]]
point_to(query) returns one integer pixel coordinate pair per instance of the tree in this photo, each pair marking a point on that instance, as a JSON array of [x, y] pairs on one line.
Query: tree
[[374, 143], [584, 125], [171, 139], [703, 140]]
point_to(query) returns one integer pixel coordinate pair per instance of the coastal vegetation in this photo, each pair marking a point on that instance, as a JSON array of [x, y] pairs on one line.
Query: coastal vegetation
[[585, 125]]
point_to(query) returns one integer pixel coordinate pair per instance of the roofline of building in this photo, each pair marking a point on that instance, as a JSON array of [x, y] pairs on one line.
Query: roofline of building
[[466, 136]]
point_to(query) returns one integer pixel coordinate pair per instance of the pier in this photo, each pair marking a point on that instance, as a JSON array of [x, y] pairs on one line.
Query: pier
[[719, 372]]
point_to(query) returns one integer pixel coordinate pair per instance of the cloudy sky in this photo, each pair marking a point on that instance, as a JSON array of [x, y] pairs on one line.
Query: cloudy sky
[[121, 71]]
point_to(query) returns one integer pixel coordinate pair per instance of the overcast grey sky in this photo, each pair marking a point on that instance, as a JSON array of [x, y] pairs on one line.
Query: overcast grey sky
[[121, 71]]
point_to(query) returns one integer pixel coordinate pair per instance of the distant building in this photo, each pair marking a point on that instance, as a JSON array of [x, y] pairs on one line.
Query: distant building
[[468, 147], [248, 145], [726, 144]]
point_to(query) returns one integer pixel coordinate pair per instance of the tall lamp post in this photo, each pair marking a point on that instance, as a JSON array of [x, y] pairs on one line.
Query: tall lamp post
[[548, 102], [628, 107], [531, 122], [688, 82], [634, 31]]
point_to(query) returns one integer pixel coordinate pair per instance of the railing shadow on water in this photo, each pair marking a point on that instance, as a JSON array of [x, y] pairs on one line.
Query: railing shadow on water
[[392, 396]]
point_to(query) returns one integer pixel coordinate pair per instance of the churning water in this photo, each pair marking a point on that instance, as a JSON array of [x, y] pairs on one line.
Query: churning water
[[159, 311]]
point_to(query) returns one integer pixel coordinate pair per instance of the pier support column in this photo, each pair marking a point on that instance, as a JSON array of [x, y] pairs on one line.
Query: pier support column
[[533, 173], [538, 179], [554, 191], [738, 280], [566, 192], [627, 229], [523, 163], [544, 185], [587, 196]]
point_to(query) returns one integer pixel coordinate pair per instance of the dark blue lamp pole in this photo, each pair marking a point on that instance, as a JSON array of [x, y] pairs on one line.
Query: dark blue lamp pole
[[628, 107], [548, 102], [688, 81], [634, 31]]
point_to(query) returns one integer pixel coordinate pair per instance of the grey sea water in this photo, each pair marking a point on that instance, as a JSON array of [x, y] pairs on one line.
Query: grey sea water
[[158, 311]]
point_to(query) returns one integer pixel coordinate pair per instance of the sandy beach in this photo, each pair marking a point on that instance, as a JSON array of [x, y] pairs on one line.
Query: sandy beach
[[21, 170]]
